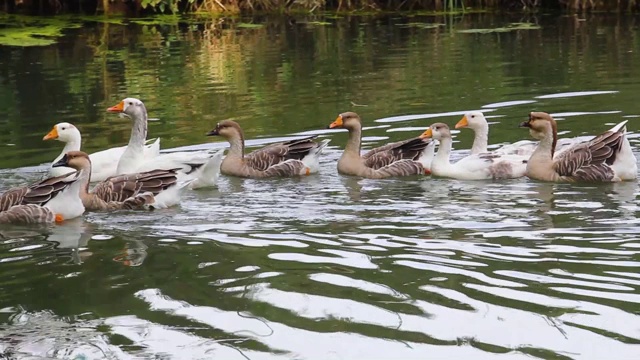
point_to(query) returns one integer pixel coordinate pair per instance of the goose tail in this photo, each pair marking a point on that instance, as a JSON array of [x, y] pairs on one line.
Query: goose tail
[[312, 160], [208, 174]]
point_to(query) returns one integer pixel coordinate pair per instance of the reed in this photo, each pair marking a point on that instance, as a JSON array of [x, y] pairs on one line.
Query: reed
[[266, 6]]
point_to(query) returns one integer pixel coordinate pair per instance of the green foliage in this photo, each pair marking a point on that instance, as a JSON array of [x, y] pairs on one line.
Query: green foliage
[[33, 31]]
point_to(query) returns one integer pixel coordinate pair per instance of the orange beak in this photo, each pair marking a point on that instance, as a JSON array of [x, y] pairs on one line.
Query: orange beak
[[338, 123], [53, 134], [117, 108], [427, 134], [462, 123]]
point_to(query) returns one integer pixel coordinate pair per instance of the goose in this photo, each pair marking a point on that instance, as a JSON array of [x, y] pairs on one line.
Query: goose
[[157, 188], [103, 163], [284, 159], [605, 158], [201, 168], [476, 121], [481, 166], [51, 200], [402, 158]]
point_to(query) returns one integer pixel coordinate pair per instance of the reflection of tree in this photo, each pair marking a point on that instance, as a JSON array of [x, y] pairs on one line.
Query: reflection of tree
[[276, 73]]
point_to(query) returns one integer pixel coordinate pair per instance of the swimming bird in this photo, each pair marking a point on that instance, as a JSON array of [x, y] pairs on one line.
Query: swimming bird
[[103, 163], [476, 121], [51, 200], [200, 168], [157, 188], [402, 158], [607, 157], [283, 159], [481, 166]]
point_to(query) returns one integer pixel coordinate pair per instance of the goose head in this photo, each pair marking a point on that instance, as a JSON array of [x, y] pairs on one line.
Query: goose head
[[74, 159], [64, 132], [474, 120], [437, 131], [131, 107], [540, 125], [347, 120], [227, 129]]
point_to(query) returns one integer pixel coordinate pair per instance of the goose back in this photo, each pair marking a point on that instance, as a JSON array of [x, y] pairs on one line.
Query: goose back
[[39, 193], [275, 154], [383, 156]]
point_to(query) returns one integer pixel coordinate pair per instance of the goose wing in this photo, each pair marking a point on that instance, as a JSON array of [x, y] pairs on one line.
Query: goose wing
[[274, 154], [27, 214], [591, 161], [404, 167], [122, 187], [386, 155], [39, 193]]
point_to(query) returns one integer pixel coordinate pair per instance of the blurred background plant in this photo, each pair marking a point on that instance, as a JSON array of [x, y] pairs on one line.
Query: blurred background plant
[[255, 6]]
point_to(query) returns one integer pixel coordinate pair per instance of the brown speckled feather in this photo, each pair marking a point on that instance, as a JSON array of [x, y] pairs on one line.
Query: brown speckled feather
[[386, 155], [267, 157], [399, 168], [38, 194], [121, 187], [590, 161], [27, 214]]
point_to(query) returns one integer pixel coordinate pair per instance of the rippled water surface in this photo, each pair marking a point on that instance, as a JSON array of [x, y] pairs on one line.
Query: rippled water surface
[[327, 266]]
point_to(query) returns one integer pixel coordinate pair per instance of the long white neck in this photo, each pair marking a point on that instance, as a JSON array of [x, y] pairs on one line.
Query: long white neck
[[133, 156], [71, 145], [444, 150], [481, 139]]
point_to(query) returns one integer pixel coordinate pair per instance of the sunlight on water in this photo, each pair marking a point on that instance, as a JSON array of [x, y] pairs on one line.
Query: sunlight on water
[[327, 266]]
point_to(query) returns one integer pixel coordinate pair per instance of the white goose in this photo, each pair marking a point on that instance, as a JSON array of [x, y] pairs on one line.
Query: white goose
[[201, 167], [481, 166], [476, 121], [103, 163]]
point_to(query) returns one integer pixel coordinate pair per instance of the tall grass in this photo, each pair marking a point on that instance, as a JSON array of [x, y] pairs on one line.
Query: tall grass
[[252, 6]]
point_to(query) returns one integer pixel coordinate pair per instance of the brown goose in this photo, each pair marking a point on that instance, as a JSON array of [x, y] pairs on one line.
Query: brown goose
[[291, 158], [607, 157], [130, 191], [51, 200], [402, 158]]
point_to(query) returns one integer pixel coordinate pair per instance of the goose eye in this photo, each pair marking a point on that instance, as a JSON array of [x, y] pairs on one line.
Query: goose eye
[[473, 116], [64, 128], [130, 103]]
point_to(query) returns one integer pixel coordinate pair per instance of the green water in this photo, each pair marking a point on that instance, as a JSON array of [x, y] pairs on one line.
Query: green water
[[327, 267]]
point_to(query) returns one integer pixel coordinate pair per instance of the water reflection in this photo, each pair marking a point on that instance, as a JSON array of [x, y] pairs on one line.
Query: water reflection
[[327, 266]]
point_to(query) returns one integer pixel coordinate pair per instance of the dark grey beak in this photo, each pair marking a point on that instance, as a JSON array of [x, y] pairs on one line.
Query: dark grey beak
[[524, 124], [213, 132], [61, 162]]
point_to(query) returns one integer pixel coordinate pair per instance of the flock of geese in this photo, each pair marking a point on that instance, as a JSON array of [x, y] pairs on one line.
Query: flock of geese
[[138, 176]]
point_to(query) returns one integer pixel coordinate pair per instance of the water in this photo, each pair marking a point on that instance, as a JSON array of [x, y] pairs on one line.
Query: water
[[327, 267]]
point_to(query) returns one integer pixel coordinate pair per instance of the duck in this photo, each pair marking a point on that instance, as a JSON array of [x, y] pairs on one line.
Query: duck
[[476, 121], [482, 166], [103, 163], [607, 157], [155, 189], [200, 168], [284, 159], [52, 200], [403, 158]]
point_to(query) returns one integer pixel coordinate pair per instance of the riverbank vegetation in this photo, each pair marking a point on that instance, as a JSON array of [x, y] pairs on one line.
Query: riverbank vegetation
[[138, 7]]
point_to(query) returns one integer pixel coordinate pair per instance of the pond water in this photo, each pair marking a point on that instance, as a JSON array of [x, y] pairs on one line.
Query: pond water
[[327, 266]]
